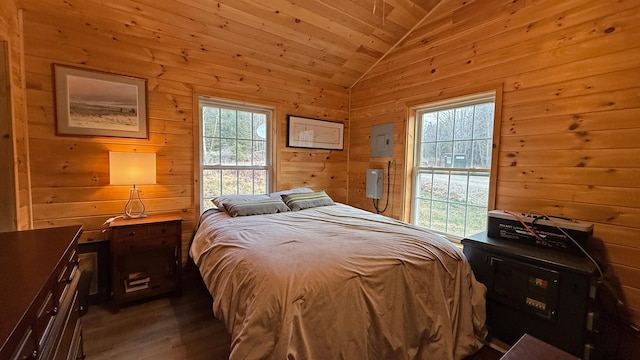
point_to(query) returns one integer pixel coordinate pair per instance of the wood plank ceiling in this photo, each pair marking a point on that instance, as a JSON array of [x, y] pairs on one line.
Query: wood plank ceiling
[[333, 41]]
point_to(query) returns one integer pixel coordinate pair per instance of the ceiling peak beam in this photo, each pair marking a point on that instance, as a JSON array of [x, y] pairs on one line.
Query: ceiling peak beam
[[397, 43]]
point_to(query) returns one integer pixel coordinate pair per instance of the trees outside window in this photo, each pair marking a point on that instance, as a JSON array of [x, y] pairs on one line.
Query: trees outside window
[[453, 165], [235, 156]]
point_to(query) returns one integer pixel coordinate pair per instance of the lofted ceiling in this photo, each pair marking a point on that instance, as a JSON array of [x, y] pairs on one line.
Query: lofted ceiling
[[334, 41], [326, 41]]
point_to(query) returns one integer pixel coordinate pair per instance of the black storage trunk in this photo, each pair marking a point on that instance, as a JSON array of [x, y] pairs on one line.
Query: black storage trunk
[[547, 294]]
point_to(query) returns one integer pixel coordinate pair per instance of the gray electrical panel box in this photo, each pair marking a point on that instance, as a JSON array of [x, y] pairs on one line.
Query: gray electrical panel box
[[382, 140], [374, 183]]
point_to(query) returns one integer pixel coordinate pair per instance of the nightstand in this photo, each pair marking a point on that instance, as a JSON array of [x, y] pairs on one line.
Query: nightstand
[[146, 257]]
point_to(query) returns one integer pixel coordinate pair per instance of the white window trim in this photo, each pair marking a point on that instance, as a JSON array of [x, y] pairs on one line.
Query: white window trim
[[455, 102], [204, 100]]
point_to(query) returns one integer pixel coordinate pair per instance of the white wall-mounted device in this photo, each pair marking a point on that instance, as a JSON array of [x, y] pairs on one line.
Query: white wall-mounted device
[[374, 183]]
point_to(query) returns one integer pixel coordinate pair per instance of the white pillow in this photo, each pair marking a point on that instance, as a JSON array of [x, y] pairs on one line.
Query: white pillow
[[299, 190], [219, 201]]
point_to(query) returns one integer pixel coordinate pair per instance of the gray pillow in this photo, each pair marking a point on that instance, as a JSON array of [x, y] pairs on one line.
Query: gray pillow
[[219, 201], [255, 207], [297, 190], [307, 200]]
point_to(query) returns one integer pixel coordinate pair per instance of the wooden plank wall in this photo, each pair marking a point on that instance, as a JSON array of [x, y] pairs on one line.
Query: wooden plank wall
[[17, 167], [569, 133], [70, 177], [8, 217]]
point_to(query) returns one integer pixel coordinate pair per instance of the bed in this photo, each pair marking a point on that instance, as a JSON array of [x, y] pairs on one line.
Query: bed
[[337, 282]]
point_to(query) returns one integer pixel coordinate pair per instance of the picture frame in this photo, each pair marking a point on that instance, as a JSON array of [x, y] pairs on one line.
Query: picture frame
[[95, 260], [95, 103], [315, 133]]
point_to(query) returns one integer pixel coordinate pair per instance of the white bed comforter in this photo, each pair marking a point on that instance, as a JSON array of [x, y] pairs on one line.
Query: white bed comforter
[[337, 282]]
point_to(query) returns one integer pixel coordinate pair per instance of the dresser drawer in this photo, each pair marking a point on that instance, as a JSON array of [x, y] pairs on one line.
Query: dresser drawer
[[77, 349], [27, 348], [71, 330], [63, 321], [66, 274], [45, 318], [41, 285]]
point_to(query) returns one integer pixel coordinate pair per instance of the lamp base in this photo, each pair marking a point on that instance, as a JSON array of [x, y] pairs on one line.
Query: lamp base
[[134, 208]]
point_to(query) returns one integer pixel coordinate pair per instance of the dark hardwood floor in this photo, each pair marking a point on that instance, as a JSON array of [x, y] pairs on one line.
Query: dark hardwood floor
[[169, 328], [175, 327]]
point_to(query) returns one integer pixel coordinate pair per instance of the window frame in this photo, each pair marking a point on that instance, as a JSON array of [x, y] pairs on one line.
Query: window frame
[[207, 101], [415, 139]]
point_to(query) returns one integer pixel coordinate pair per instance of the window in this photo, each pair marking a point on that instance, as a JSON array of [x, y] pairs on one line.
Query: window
[[235, 150], [452, 165]]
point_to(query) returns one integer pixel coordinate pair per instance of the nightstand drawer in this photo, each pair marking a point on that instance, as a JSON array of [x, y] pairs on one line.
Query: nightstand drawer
[[165, 229], [137, 244], [131, 233]]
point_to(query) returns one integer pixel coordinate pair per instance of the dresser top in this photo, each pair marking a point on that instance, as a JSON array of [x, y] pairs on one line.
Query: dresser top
[[27, 260]]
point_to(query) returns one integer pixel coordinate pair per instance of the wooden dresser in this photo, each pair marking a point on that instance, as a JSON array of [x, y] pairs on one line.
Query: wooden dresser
[[39, 311]]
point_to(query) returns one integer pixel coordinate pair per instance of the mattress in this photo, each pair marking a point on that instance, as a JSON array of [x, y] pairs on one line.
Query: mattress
[[336, 282]]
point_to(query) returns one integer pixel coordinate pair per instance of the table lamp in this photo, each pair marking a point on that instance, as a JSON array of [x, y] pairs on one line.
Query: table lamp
[[132, 168]]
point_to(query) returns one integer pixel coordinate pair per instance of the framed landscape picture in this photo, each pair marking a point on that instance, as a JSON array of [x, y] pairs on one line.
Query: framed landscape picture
[[315, 134], [100, 104]]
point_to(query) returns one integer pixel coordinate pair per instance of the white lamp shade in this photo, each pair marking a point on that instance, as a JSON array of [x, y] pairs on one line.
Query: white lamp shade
[[132, 168]]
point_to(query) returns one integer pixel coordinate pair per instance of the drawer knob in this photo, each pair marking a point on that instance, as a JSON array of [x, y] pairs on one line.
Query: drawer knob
[[132, 233], [33, 355], [53, 312]]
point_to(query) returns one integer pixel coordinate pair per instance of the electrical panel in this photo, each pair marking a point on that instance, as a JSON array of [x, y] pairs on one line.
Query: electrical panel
[[382, 140], [374, 183]]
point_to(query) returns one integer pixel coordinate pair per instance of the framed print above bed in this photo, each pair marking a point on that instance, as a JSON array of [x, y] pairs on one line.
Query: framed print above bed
[[96, 103], [315, 134]]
